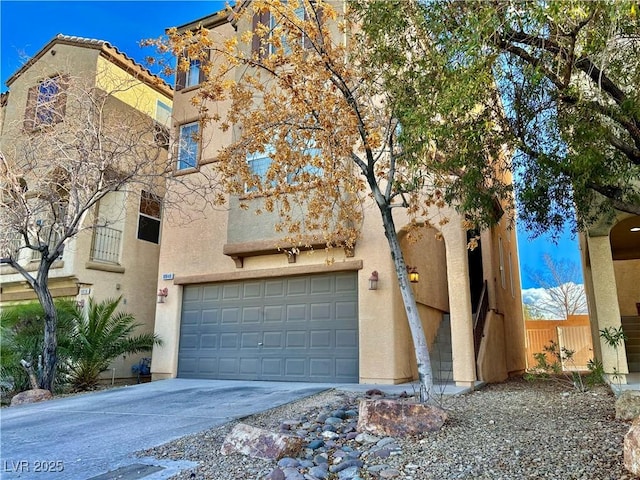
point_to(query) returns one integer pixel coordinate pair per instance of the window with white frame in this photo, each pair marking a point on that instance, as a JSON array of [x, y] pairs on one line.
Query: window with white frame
[[149, 217], [188, 145], [193, 74]]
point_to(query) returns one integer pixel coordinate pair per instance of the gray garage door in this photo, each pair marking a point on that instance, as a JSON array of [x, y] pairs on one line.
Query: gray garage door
[[288, 329]]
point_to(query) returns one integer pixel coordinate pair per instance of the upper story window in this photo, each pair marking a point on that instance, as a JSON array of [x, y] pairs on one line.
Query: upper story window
[[259, 164], [46, 103], [188, 145], [192, 76], [149, 217], [265, 18]]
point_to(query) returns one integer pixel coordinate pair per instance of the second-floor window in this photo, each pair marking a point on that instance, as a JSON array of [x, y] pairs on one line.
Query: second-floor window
[[46, 103], [149, 217], [191, 76], [188, 145]]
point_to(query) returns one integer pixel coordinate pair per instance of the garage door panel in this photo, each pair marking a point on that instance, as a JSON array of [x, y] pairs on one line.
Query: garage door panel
[[249, 340], [189, 341], [274, 288], [289, 329], [230, 316], [210, 293], [208, 341], [251, 315], [296, 339], [252, 290], [273, 313], [272, 340], [346, 310], [296, 313], [229, 341], [191, 317], [346, 284], [346, 338], [297, 286], [320, 339], [320, 367], [320, 312], [209, 317]]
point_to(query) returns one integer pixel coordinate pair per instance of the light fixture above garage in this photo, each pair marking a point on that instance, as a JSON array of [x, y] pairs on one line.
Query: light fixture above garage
[[162, 294], [373, 280], [414, 276], [634, 229]]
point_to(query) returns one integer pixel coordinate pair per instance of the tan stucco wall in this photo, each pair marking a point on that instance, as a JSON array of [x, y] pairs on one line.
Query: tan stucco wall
[[492, 365], [627, 273]]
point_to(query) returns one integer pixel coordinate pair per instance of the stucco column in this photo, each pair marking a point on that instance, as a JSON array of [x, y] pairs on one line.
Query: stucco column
[[164, 359], [464, 361], [605, 303]]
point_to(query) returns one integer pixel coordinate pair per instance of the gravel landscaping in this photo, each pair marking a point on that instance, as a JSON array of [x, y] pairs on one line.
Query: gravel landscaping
[[513, 430]]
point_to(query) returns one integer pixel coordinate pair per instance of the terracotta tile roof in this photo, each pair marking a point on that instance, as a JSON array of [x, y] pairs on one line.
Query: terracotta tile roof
[[111, 51]]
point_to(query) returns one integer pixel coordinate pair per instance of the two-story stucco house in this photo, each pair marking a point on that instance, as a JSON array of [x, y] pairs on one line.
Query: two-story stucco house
[[118, 254], [238, 308]]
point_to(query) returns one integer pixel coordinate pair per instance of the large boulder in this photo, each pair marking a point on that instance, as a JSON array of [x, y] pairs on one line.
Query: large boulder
[[260, 443], [397, 418], [628, 405], [31, 396], [632, 448]]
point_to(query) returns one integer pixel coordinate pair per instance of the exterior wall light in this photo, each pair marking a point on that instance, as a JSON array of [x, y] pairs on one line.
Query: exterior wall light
[[373, 280], [414, 276], [162, 293]]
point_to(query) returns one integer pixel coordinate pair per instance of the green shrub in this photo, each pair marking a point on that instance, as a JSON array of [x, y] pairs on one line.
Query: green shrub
[[99, 336], [22, 338]]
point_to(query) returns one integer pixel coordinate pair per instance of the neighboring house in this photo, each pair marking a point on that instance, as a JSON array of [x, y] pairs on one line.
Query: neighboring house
[[238, 308], [610, 254], [118, 256]]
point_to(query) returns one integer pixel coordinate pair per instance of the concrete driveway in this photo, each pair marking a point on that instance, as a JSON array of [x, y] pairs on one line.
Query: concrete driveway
[[94, 436]]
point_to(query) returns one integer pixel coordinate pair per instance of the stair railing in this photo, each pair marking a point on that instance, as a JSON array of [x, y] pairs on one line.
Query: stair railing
[[480, 318]]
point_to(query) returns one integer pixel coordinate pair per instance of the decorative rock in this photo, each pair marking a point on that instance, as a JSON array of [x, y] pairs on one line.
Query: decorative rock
[[31, 396], [346, 464], [319, 471], [291, 473], [389, 473], [399, 418], [628, 405], [288, 462], [329, 435], [350, 473], [316, 444], [260, 443], [276, 474], [632, 448], [366, 438]]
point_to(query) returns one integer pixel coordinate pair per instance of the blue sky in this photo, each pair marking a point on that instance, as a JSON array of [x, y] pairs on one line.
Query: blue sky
[[26, 26]]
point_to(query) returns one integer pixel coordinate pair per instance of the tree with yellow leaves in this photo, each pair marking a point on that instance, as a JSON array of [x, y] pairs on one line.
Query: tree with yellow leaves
[[316, 136]]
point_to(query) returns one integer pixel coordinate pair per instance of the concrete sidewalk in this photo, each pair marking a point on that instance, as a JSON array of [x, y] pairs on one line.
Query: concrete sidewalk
[[95, 435]]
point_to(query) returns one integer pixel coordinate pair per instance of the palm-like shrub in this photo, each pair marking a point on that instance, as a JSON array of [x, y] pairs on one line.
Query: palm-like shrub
[[22, 338], [101, 334]]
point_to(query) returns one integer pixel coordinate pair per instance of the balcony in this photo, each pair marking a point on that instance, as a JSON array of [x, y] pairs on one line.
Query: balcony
[[105, 246]]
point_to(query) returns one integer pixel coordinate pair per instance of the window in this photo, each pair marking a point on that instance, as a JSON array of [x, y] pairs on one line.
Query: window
[[149, 217], [188, 145], [265, 18], [513, 287], [46, 103], [192, 76], [260, 162], [503, 279]]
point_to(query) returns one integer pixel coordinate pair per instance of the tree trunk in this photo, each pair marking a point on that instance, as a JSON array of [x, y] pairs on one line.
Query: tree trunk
[[49, 354], [425, 375]]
